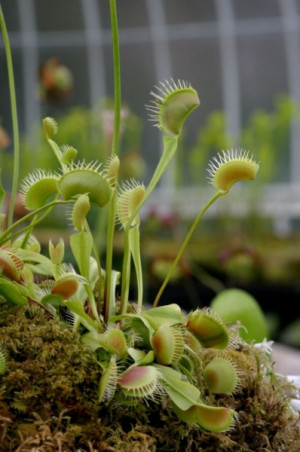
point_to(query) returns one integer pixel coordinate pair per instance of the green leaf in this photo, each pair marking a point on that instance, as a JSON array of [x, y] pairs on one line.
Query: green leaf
[[140, 357], [55, 300], [138, 317], [183, 394], [114, 282], [134, 245], [167, 315], [13, 293], [40, 269], [31, 256], [81, 245], [169, 371], [139, 324]]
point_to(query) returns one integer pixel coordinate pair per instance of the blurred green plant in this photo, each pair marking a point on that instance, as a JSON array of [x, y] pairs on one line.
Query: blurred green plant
[[265, 131]]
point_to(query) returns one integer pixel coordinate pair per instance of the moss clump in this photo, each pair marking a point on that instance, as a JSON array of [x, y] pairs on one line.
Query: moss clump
[[48, 400]]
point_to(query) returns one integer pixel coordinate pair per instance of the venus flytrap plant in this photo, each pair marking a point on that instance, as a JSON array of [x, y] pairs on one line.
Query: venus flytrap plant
[[144, 354]]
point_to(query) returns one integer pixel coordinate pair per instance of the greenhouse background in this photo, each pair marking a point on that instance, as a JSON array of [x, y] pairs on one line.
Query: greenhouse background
[[239, 55]]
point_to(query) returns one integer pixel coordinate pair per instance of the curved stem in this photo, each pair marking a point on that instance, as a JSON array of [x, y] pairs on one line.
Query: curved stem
[[184, 244], [14, 114]]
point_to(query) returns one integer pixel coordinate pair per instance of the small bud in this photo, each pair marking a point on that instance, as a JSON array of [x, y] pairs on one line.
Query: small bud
[[231, 167], [50, 127], [57, 252], [80, 210]]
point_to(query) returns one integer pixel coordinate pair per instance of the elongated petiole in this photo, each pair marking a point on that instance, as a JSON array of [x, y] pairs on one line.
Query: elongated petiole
[[15, 126], [217, 195], [97, 258], [134, 243], [125, 274]]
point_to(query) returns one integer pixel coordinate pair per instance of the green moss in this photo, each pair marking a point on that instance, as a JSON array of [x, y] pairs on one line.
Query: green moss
[[48, 403]]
